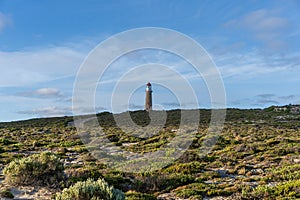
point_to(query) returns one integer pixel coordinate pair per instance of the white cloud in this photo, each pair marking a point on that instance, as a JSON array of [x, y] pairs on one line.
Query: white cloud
[[264, 25], [21, 107], [262, 20], [254, 63], [247, 71], [43, 93], [33, 66], [4, 21], [47, 92], [52, 111]]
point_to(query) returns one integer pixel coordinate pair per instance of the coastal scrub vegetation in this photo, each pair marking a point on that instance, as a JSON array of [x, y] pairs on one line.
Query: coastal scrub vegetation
[[256, 156]]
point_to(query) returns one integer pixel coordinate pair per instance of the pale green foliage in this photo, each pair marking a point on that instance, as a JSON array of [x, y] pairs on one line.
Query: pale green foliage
[[39, 169], [288, 189], [91, 190]]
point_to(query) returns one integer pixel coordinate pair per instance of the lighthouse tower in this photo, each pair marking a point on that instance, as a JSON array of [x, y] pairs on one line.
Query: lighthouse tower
[[148, 101]]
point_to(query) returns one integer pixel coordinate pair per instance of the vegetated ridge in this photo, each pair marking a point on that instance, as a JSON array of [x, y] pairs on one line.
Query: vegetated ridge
[[256, 157]]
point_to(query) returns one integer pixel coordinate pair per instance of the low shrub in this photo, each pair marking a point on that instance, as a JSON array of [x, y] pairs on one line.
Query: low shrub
[[91, 190], [289, 189], [6, 141], [196, 190], [289, 172], [6, 193], [132, 195], [189, 193], [43, 169], [80, 174], [185, 168]]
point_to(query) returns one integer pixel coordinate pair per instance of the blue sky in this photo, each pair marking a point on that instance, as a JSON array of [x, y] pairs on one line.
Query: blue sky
[[254, 44]]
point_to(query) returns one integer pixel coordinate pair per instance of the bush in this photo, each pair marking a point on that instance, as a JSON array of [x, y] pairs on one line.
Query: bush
[[185, 168], [6, 193], [91, 190], [289, 172], [6, 141], [289, 189], [132, 195], [74, 175], [43, 169], [189, 193]]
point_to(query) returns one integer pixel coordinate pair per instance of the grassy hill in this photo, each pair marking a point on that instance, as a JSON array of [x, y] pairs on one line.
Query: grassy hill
[[256, 155]]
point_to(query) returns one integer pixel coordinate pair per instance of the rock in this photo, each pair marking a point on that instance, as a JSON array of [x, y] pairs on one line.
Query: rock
[[296, 160]]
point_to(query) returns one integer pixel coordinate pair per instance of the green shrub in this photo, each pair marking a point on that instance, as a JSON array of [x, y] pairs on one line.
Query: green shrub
[[175, 180], [131, 195], [91, 190], [43, 169], [74, 175], [70, 143], [188, 193], [185, 168], [204, 176], [288, 189], [289, 172], [6, 193], [6, 141], [194, 189]]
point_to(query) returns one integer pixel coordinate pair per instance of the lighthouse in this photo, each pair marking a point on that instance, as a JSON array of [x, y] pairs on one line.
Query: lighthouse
[[148, 100]]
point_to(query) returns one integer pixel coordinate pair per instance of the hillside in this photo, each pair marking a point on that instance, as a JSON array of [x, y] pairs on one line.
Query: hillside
[[256, 156]]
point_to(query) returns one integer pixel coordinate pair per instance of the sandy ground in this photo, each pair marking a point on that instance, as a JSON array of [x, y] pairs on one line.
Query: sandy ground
[[27, 192], [30, 193]]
